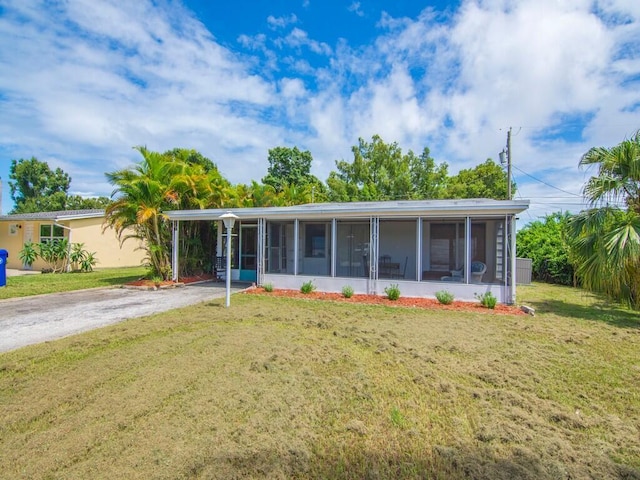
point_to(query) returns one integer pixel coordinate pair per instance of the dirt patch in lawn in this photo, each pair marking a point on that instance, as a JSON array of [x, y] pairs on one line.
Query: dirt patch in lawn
[[411, 302]]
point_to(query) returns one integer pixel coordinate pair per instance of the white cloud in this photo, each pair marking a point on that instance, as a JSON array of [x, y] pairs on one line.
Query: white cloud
[[299, 38], [355, 8], [292, 88], [526, 66], [457, 86], [281, 22], [84, 81], [257, 42], [124, 76]]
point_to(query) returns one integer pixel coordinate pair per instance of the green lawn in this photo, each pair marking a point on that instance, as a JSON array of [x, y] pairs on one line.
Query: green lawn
[[283, 388], [25, 285]]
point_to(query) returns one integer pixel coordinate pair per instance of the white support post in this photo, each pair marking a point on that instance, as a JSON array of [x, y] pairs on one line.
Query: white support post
[[467, 250], [296, 241], [334, 246], [260, 253], [374, 253], [512, 262], [175, 248], [419, 249]]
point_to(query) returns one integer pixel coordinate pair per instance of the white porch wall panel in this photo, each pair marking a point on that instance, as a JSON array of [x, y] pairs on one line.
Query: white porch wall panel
[[461, 291]]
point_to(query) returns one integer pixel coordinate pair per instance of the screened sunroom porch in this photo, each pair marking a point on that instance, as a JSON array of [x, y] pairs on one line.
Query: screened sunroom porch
[[463, 246]]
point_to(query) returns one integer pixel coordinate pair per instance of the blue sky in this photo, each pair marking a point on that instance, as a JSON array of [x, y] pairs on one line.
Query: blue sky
[[83, 81]]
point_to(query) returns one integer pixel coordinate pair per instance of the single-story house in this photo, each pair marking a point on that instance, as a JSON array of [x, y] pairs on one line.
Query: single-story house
[[77, 226], [466, 247]]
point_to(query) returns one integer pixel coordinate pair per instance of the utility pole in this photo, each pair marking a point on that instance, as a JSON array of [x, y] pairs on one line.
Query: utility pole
[[508, 160], [509, 164]]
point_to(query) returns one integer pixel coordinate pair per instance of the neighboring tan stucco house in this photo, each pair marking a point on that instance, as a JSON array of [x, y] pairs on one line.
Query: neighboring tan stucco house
[[78, 226]]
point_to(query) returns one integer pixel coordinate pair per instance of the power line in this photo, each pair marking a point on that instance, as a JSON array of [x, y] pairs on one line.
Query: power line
[[545, 183], [567, 124]]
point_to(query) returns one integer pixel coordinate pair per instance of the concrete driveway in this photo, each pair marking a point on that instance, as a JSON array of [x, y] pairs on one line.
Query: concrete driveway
[[28, 320]]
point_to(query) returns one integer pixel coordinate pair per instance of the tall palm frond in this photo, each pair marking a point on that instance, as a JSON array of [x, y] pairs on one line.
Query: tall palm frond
[[605, 239]]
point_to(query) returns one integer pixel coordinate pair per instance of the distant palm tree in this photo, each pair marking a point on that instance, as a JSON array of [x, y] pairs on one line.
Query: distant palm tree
[[605, 239]]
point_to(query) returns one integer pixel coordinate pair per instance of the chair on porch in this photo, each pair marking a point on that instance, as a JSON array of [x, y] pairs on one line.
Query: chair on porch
[[404, 270], [477, 271]]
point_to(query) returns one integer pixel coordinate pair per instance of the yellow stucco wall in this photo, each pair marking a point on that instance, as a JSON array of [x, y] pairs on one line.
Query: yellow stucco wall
[[106, 246], [11, 239]]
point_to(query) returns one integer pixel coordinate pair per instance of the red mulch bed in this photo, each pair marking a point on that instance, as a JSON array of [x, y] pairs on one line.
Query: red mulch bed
[[411, 302], [144, 282], [205, 277]]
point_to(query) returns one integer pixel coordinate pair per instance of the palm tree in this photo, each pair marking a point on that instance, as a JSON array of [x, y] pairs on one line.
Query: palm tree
[[605, 239], [141, 195], [177, 179]]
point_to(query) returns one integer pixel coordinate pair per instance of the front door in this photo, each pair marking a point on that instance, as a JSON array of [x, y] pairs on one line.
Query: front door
[[248, 253]]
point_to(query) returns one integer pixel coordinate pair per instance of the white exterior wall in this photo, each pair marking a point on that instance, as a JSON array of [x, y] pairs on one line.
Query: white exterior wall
[[461, 291]]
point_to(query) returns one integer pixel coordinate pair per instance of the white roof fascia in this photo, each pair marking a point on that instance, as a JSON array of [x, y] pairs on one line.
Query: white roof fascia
[[427, 208], [79, 217], [49, 216]]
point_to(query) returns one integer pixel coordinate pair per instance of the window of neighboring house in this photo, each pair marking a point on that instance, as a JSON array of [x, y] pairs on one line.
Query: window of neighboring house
[[51, 233]]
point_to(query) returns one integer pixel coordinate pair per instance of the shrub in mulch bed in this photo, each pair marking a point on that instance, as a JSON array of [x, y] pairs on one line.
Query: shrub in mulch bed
[[411, 302]]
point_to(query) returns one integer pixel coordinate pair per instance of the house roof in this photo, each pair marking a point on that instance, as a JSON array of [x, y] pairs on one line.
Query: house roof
[[54, 216], [400, 208]]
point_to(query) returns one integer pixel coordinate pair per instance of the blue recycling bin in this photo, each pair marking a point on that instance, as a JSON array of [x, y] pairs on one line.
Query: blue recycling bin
[[3, 267]]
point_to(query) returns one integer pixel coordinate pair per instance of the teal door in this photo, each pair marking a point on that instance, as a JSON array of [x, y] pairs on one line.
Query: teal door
[[249, 253]]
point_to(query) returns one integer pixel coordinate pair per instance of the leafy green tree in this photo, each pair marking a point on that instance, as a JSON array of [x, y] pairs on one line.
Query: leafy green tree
[[141, 195], [315, 192], [289, 166], [380, 171], [256, 195], [162, 182], [487, 180], [56, 201], [428, 178], [76, 202], [61, 201], [605, 239], [199, 185], [35, 187], [263, 195], [544, 242], [191, 157]]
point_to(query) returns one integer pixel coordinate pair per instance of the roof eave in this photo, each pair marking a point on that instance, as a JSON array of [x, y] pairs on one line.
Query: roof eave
[[329, 210]]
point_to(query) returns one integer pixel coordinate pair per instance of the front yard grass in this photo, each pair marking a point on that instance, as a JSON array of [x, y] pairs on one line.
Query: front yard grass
[[286, 388], [25, 285]]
